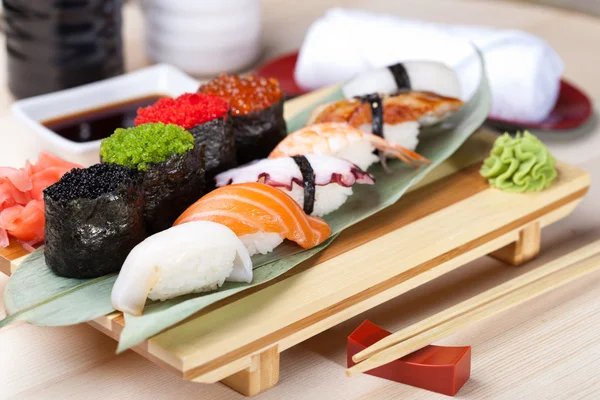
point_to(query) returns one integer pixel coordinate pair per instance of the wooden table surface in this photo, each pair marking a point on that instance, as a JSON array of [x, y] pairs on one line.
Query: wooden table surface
[[546, 348]]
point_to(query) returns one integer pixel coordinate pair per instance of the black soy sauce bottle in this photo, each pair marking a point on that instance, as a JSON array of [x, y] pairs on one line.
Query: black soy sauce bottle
[[58, 44]]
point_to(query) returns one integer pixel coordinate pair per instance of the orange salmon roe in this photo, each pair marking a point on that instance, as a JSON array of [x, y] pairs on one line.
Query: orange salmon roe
[[245, 94]]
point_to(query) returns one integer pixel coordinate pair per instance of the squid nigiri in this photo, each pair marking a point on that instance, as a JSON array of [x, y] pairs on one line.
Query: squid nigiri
[[344, 141], [260, 215], [191, 258], [320, 184], [396, 118]]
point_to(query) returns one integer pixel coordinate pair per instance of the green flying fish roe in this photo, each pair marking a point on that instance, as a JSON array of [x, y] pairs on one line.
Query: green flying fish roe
[[145, 144], [519, 164]]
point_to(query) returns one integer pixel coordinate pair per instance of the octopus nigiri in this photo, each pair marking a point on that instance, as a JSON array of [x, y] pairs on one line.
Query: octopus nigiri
[[320, 184], [344, 141], [260, 215], [396, 118]]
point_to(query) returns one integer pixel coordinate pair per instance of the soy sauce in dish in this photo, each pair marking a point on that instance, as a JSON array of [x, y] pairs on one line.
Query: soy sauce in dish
[[99, 123]]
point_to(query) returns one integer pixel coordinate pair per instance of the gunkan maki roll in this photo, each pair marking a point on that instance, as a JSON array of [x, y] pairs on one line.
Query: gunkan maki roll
[[256, 113], [172, 167], [94, 217], [206, 117]]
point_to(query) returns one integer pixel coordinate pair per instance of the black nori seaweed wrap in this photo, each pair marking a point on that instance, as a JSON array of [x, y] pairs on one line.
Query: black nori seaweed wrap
[[94, 217], [256, 134], [308, 182], [171, 186], [217, 136]]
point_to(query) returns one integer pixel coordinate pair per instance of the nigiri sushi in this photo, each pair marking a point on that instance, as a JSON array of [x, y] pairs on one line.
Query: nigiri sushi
[[260, 215], [190, 258], [428, 76], [344, 141], [396, 118], [319, 183]]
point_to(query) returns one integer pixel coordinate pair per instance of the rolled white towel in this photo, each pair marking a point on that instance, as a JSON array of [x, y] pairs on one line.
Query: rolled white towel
[[523, 70]]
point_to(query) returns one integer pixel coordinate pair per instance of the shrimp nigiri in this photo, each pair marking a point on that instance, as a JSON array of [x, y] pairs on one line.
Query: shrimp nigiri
[[260, 215], [344, 141]]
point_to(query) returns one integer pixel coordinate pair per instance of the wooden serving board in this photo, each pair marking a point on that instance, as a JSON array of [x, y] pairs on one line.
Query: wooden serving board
[[438, 226]]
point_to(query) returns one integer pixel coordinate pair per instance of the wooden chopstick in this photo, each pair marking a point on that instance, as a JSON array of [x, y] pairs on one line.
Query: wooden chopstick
[[478, 301], [501, 298]]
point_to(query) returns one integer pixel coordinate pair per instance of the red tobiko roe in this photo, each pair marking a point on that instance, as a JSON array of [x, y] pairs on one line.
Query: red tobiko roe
[[187, 110]]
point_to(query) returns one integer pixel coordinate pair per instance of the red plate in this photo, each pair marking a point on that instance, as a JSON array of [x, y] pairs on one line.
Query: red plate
[[282, 69], [572, 109]]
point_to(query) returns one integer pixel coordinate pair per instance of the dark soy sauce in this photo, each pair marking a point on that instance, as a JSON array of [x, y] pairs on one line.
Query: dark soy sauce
[[99, 123]]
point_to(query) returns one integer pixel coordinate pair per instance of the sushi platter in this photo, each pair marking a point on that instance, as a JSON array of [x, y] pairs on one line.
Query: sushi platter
[[222, 226], [449, 219]]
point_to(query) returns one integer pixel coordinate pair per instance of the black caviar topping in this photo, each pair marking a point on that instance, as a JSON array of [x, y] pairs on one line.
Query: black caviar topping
[[92, 182]]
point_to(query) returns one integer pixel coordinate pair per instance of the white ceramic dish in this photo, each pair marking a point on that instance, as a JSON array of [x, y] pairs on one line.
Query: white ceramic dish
[[159, 79], [236, 58], [202, 7], [203, 37]]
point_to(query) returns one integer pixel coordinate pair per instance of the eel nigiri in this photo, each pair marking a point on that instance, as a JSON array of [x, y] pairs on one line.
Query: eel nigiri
[[319, 183], [396, 118], [344, 141], [191, 258], [260, 215]]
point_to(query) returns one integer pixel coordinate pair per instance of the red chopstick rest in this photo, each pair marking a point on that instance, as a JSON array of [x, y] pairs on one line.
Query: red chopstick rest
[[438, 369]]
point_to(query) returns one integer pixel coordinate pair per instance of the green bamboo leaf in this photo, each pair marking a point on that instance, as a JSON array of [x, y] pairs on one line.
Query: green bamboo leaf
[[36, 295]]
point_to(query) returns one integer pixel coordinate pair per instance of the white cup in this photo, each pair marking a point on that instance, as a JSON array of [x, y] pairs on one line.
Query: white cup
[[203, 37]]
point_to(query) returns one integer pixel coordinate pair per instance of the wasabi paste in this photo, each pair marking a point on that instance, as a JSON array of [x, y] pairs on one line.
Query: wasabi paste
[[519, 164]]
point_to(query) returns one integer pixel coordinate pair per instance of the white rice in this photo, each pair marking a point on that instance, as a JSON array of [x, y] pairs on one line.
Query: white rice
[[359, 153], [200, 273], [261, 242], [328, 198], [405, 134]]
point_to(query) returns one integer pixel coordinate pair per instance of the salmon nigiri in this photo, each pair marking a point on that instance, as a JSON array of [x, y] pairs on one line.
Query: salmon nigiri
[[260, 215]]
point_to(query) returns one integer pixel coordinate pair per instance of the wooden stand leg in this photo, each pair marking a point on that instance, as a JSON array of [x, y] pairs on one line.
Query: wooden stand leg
[[524, 249], [262, 374]]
